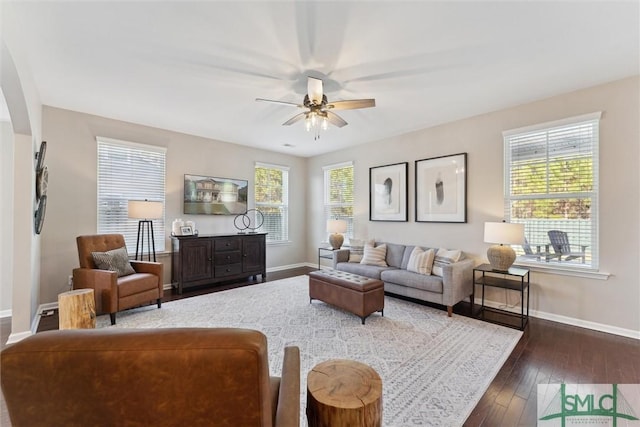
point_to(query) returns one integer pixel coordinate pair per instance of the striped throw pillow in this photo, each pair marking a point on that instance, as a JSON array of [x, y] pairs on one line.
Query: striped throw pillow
[[421, 261], [444, 257], [356, 253], [375, 256]]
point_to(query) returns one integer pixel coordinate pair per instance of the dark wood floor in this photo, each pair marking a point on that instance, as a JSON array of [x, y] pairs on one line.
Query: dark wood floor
[[548, 352]]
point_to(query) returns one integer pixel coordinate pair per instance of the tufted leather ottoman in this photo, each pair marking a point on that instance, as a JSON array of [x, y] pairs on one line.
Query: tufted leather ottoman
[[357, 294]]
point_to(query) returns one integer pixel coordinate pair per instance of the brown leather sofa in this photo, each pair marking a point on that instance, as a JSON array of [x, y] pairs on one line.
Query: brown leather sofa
[[149, 377], [113, 293]]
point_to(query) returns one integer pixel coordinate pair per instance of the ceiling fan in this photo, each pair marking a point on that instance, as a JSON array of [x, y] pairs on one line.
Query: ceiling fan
[[319, 115]]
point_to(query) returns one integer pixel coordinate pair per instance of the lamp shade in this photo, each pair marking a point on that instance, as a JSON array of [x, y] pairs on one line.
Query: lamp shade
[[336, 226], [144, 209], [504, 233]]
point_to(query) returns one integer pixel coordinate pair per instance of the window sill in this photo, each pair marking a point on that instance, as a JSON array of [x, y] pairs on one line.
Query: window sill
[[565, 271], [279, 243]]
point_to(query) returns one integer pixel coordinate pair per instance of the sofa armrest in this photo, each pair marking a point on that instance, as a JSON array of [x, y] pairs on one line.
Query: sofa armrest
[[340, 255], [457, 281], [288, 411], [104, 285]]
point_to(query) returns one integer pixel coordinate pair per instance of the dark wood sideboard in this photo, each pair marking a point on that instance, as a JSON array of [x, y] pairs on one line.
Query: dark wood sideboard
[[203, 260]]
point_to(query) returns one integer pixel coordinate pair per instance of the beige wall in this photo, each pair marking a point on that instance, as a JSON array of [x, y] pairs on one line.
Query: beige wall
[[6, 216], [615, 302], [71, 209]]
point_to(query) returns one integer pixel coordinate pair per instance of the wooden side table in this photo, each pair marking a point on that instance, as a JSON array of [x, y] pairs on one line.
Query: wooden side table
[[344, 393], [77, 309]]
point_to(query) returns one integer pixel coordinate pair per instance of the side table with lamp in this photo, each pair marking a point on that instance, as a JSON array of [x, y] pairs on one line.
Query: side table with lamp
[[500, 272], [335, 227]]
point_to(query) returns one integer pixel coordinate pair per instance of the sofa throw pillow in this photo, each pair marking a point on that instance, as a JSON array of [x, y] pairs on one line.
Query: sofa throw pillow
[[114, 260], [374, 256], [444, 257], [421, 261], [356, 250], [356, 253]]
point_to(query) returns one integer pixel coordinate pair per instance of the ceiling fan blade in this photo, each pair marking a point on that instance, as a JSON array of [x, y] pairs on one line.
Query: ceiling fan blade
[[294, 119], [335, 119], [314, 90], [273, 101], [352, 104]]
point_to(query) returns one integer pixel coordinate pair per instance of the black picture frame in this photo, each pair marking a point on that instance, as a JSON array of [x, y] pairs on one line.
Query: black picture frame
[[209, 195], [388, 192], [441, 189]]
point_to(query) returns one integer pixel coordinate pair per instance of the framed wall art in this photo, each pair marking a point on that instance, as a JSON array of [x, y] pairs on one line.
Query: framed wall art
[[441, 189], [388, 192]]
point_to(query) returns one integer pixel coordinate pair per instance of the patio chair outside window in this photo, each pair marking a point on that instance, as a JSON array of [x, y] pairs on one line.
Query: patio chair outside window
[[562, 247]]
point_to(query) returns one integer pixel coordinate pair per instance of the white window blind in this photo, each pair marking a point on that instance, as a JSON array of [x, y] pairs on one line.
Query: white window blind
[[551, 183], [338, 194], [129, 171], [272, 199]]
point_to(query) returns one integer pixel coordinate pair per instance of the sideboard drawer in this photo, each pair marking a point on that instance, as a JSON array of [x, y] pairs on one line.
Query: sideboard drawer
[[226, 258], [227, 244], [228, 270]]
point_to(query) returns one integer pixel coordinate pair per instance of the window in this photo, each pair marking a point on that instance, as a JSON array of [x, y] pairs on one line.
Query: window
[[272, 199], [551, 183], [338, 194], [129, 171]]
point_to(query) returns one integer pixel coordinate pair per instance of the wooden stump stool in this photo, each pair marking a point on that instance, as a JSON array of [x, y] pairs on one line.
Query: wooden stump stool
[[77, 309], [344, 393]]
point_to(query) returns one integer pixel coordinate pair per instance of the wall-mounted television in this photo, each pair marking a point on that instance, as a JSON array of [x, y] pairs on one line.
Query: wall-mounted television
[[208, 195]]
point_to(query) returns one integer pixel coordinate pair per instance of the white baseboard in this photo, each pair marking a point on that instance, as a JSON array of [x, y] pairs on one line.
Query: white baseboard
[[5, 313], [287, 267], [13, 338], [629, 333]]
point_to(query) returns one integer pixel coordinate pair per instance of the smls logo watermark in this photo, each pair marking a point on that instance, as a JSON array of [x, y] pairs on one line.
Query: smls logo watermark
[[590, 405]]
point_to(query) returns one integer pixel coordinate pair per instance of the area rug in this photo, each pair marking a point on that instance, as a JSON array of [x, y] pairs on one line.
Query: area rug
[[434, 368]]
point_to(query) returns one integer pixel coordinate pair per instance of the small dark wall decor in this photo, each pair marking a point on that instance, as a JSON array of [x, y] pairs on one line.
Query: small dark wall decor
[[388, 192], [441, 189], [207, 195], [42, 182]]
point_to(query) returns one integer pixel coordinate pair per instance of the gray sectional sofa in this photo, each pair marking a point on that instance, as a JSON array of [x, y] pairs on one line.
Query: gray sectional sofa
[[455, 284]]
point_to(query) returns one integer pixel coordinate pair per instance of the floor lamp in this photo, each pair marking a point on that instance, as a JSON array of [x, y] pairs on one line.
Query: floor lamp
[[145, 211]]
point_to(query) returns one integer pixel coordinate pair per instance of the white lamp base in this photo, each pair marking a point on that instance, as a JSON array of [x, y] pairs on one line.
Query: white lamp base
[[336, 240], [501, 257]]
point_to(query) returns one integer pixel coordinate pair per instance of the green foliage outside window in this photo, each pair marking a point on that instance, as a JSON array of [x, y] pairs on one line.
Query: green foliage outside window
[[340, 193], [555, 182], [268, 185]]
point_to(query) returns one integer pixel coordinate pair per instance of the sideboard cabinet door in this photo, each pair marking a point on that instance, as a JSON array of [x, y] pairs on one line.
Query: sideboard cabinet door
[[254, 255]]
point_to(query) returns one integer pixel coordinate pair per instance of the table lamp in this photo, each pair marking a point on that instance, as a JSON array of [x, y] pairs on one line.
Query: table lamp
[[145, 211], [501, 257], [335, 227]]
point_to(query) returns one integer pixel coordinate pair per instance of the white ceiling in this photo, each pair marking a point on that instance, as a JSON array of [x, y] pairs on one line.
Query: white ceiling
[[197, 67]]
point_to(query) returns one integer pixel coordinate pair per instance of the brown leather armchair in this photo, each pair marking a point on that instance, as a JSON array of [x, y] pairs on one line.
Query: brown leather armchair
[[149, 377], [113, 293]]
